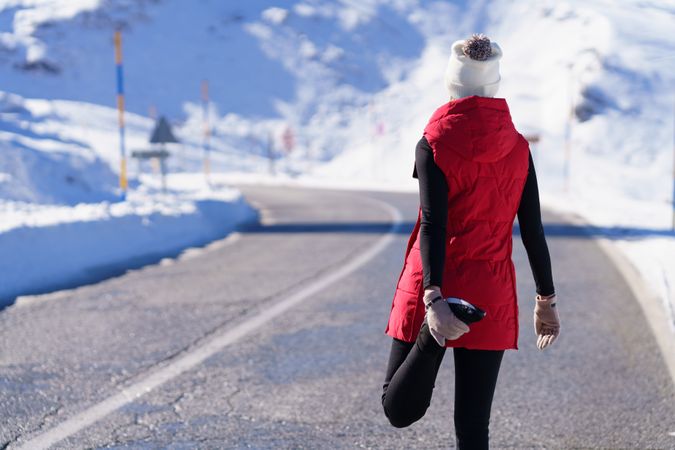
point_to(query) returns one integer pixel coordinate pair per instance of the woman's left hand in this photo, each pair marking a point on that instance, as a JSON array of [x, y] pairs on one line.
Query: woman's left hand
[[546, 321]]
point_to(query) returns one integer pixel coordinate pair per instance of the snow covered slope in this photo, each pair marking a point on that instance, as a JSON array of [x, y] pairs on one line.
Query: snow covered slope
[[62, 221]]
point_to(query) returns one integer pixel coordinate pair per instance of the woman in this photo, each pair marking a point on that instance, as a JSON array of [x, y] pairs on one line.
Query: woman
[[475, 175]]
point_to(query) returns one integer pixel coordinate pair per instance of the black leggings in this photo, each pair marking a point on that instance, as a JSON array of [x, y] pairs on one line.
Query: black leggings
[[411, 376]]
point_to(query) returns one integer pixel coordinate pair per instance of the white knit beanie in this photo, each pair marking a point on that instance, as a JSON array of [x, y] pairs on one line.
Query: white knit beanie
[[473, 68]]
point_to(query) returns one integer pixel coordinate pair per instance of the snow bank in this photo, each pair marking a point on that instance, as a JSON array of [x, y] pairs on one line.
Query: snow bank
[[63, 223], [47, 159], [50, 247]]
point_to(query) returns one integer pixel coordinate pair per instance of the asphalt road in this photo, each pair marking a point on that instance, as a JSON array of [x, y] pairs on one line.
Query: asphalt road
[[310, 376]]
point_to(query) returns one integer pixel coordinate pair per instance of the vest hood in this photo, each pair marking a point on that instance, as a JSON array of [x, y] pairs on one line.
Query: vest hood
[[477, 128]]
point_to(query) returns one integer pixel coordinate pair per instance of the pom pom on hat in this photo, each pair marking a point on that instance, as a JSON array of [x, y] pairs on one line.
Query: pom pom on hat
[[477, 47], [473, 67]]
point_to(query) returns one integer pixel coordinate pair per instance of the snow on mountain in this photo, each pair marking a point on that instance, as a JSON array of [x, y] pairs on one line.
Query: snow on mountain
[[258, 57], [353, 82]]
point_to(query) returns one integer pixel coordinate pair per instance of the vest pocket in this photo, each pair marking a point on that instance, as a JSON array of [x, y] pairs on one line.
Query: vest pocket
[[411, 280]]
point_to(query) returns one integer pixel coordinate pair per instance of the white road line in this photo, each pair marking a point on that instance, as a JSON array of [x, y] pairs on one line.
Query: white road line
[[644, 294], [192, 357]]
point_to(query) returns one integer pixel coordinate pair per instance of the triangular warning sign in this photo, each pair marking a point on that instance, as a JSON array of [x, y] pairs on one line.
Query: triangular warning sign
[[162, 133]]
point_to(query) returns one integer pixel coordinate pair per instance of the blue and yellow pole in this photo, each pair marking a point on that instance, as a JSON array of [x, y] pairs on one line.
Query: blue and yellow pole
[[207, 129], [120, 112]]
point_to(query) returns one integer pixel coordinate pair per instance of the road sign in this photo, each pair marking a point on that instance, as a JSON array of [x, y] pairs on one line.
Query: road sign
[[162, 133]]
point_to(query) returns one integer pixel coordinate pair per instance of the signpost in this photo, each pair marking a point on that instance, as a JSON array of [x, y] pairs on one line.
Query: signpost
[[288, 139], [161, 135], [207, 130], [120, 112], [270, 152]]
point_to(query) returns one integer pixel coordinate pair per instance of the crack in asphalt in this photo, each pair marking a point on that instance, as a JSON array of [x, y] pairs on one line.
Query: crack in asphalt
[[174, 405], [36, 429], [229, 398], [118, 432]]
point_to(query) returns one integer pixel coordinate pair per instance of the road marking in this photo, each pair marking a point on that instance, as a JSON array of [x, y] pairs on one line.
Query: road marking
[[646, 297], [191, 357]]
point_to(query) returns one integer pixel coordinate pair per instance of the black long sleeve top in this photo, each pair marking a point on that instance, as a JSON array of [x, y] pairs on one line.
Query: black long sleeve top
[[434, 204]]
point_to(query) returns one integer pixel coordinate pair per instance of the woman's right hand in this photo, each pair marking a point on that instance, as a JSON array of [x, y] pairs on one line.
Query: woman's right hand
[[441, 320]]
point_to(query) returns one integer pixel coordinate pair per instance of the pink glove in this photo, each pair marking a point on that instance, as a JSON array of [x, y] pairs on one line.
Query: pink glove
[[443, 324], [546, 320]]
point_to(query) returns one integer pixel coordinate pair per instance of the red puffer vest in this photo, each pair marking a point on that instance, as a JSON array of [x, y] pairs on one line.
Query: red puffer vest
[[485, 162]]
